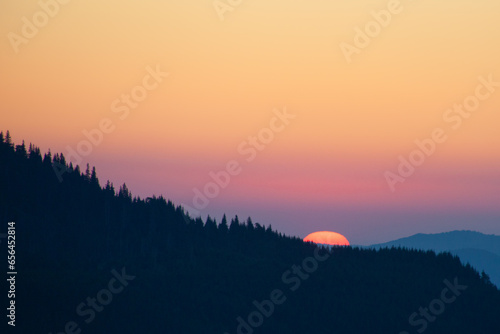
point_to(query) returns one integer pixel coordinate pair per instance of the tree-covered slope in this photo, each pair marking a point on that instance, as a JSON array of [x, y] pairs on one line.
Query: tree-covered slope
[[94, 260]]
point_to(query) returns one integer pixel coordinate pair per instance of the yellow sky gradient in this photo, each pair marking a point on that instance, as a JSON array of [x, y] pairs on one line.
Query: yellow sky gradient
[[225, 77]]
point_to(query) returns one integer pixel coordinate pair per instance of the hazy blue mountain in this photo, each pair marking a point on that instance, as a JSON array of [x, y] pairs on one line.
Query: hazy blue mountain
[[479, 250]]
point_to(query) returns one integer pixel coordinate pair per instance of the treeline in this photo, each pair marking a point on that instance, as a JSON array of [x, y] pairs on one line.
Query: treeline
[[200, 276]]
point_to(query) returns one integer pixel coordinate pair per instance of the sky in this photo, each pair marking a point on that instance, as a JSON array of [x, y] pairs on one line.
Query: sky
[[373, 119]]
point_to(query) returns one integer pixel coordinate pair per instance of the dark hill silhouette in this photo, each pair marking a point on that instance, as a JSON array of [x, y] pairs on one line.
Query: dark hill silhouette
[[94, 259], [479, 250]]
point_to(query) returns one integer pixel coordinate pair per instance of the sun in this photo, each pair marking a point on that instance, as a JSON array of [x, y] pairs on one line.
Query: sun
[[327, 238]]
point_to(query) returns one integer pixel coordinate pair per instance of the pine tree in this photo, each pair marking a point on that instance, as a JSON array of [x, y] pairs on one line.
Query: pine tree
[[250, 225], [93, 178], [8, 139], [21, 149], [124, 192], [47, 158], [77, 170], [235, 224], [211, 225], [110, 189], [87, 173], [62, 159], [223, 227]]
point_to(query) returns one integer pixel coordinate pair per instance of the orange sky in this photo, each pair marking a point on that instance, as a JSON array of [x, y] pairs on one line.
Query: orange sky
[[353, 119]]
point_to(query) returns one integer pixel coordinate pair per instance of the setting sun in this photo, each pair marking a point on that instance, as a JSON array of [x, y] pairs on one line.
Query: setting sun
[[327, 238]]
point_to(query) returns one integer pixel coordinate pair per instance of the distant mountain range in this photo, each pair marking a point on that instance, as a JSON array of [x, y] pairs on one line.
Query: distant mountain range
[[481, 251]]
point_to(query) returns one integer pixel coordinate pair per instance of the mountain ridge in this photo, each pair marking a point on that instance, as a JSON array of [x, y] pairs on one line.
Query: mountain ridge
[[471, 247]]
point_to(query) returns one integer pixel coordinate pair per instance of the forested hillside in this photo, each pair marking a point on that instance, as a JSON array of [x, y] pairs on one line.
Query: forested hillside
[[481, 251], [165, 272]]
